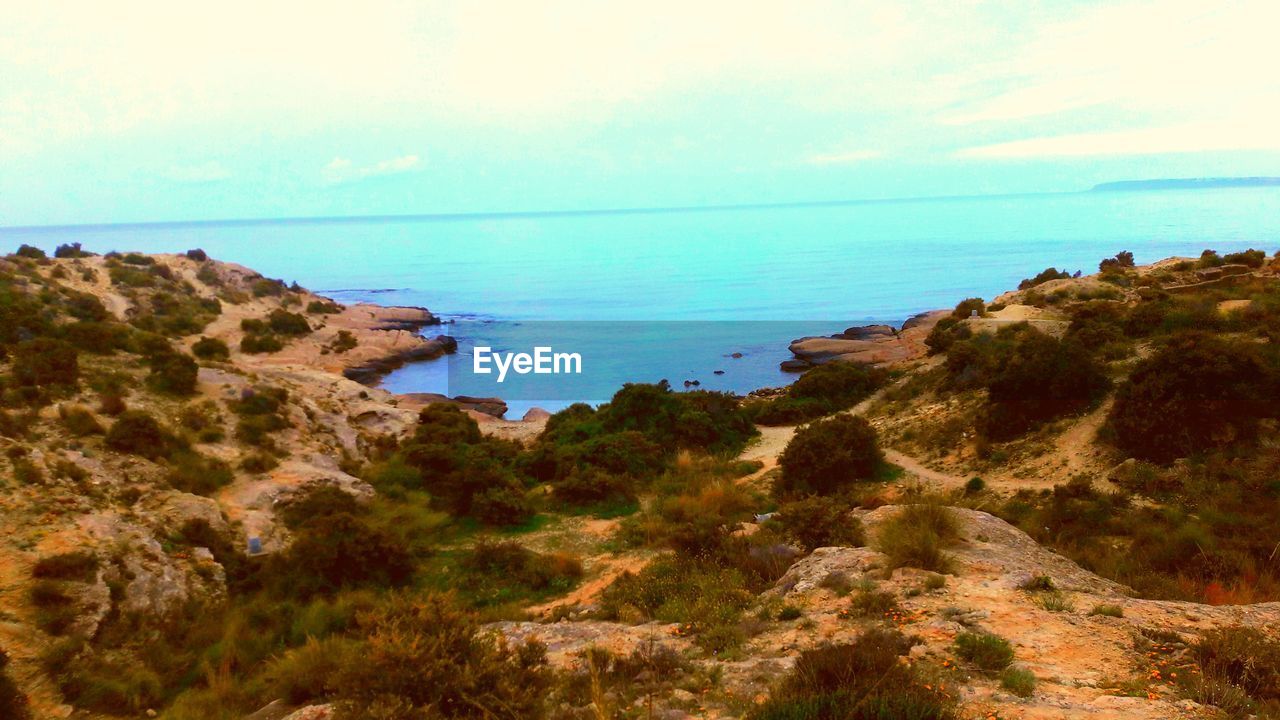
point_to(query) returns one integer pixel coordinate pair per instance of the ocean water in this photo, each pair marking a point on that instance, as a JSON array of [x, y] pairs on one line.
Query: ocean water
[[690, 287]]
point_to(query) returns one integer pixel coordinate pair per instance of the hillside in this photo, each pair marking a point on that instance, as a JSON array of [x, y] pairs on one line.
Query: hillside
[[1059, 503]]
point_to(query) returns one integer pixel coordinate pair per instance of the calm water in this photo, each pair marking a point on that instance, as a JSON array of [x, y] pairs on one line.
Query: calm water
[[823, 268]]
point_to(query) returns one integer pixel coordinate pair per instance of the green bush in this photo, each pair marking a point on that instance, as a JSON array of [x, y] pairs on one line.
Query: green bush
[[173, 372], [821, 391], [45, 361], [821, 522], [31, 252], [989, 652], [1043, 277], [323, 307], [283, 322], [197, 255], [1195, 393], [863, 680], [496, 572], [192, 472], [917, 535], [1122, 259], [258, 344], [707, 600], [423, 657], [70, 250], [1042, 379], [1019, 681], [340, 551], [266, 287], [968, 307], [56, 612], [1252, 258], [207, 348], [101, 338], [827, 456], [1239, 671], [138, 433], [79, 420]]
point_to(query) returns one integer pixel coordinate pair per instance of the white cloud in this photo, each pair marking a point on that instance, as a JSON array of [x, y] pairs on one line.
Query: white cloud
[[206, 172], [1255, 135], [341, 169], [849, 157]]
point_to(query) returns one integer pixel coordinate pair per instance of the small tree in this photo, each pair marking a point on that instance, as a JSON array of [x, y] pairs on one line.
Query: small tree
[[45, 361], [828, 455]]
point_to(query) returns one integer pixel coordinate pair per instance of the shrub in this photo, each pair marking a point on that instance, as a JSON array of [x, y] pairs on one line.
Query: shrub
[[1055, 601], [974, 485], [77, 565], [137, 433], [945, 333], [1209, 259], [1105, 610], [821, 391], [968, 307], [1123, 259], [1043, 378], [339, 551], [264, 287], [1195, 393], [174, 373], [821, 522], [45, 361], [1044, 276], [497, 572], [289, 324], [194, 473], [79, 420], [69, 250], [31, 252], [258, 344], [197, 255], [344, 341], [323, 307], [870, 602], [207, 348], [56, 612], [505, 505], [1252, 258], [828, 455], [863, 680], [423, 657], [989, 652], [13, 704], [1019, 681], [707, 600], [916, 536], [102, 338], [1239, 671], [258, 463]]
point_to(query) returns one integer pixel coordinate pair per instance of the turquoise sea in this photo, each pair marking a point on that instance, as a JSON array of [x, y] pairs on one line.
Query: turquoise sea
[[808, 268]]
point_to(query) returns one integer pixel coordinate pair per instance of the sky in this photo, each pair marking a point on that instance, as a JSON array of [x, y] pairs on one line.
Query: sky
[[143, 111]]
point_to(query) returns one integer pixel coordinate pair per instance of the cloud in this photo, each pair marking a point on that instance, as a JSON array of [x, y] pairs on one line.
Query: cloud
[[200, 173], [341, 169], [1257, 135], [843, 158]]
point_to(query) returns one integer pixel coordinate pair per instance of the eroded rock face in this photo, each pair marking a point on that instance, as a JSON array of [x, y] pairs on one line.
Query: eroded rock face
[[809, 572], [874, 344]]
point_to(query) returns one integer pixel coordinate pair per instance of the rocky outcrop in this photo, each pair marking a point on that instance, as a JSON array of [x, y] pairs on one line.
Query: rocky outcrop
[[873, 344], [492, 406], [429, 349]]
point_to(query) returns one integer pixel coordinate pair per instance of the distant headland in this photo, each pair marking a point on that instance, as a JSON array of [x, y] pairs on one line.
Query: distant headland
[[1186, 183]]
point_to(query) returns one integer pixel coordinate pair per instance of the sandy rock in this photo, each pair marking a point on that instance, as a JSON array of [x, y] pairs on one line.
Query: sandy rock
[[807, 574]]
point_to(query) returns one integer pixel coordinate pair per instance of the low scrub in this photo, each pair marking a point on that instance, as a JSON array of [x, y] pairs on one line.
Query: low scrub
[[987, 651], [917, 535], [868, 679], [827, 456]]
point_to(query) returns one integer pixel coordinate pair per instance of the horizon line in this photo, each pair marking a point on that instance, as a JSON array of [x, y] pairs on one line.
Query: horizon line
[[518, 214]]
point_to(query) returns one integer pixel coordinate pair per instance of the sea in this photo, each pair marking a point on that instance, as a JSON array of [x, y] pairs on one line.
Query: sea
[[710, 297]]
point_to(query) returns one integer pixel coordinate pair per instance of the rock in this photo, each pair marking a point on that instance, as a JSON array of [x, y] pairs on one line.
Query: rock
[[535, 414], [736, 356], [807, 573], [794, 365], [369, 371], [869, 332], [496, 407], [718, 372]]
